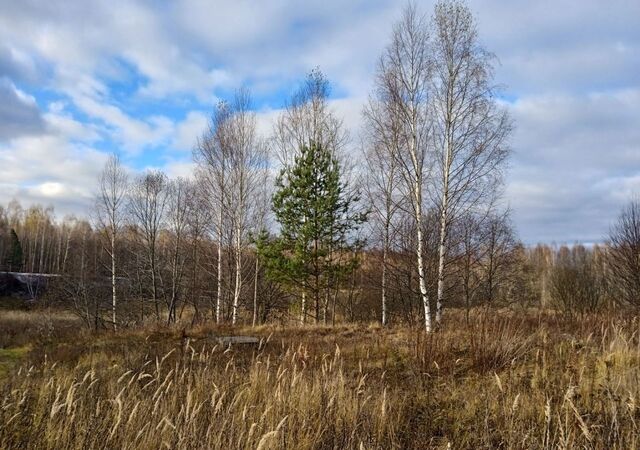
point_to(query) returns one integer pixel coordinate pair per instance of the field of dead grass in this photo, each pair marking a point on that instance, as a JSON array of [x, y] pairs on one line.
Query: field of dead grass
[[504, 381]]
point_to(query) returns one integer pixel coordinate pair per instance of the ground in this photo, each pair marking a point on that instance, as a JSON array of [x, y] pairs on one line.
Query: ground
[[506, 380]]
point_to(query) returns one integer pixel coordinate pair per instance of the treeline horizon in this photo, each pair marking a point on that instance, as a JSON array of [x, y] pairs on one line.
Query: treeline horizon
[[540, 276]]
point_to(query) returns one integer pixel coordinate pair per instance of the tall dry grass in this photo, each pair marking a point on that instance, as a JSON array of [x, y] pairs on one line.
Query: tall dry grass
[[505, 382]]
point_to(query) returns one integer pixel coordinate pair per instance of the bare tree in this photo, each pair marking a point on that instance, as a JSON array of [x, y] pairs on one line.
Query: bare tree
[[308, 118], [211, 155], [498, 255], [470, 129], [382, 184], [624, 253], [232, 160], [247, 166], [147, 203], [575, 285], [110, 214], [470, 240], [178, 211], [199, 220], [402, 86]]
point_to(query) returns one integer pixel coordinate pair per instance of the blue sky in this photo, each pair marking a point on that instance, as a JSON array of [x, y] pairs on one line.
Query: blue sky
[[80, 79]]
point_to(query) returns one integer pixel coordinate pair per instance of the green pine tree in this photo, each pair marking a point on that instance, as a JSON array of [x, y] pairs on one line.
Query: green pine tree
[[318, 221], [14, 260]]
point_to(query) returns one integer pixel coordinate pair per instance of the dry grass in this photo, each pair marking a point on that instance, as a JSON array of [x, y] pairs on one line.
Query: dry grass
[[504, 382], [25, 327]]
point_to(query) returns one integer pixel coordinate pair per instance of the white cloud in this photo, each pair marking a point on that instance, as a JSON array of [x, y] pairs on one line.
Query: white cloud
[[174, 169], [188, 131], [572, 65]]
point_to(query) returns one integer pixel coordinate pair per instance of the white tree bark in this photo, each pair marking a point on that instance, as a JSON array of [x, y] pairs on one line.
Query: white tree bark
[[420, 256], [238, 281], [470, 129], [219, 269], [113, 277], [443, 233], [109, 207]]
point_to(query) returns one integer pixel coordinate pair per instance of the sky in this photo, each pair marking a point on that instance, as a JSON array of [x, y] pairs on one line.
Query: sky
[[80, 79]]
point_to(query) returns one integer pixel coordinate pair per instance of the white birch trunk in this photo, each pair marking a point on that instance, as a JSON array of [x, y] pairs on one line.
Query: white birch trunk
[[421, 274], [385, 255], [238, 281], [113, 278], [442, 243], [219, 287], [448, 157]]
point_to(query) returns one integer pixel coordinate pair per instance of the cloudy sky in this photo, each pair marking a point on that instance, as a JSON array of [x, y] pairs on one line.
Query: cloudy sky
[[80, 79]]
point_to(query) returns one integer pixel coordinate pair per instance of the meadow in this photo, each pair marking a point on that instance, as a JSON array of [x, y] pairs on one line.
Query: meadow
[[506, 380]]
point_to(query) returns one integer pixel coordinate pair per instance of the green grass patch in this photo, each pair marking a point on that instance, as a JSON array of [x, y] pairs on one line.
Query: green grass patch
[[10, 357]]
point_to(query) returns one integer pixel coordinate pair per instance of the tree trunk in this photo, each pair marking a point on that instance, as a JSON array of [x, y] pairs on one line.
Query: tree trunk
[[441, 256], [113, 279], [174, 282], [385, 255], [154, 285], [219, 287], [255, 293], [41, 263], [419, 254], [445, 201], [238, 281]]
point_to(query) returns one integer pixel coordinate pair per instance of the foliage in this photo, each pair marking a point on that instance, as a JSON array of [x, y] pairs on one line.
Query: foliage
[[318, 220]]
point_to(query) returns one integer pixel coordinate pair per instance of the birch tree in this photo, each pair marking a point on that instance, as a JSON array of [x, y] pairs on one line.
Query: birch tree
[[402, 86], [470, 129], [232, 161], [262, 206], [382, 184], [308, 118], [110, 210], [247, 167], [211, 155]]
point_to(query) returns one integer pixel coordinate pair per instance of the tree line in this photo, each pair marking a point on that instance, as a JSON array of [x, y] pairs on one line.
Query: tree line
[[307, 224]]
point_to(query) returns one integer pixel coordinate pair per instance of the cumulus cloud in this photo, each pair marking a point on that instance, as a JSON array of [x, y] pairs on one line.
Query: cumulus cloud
[[48, 170], [53, 167]]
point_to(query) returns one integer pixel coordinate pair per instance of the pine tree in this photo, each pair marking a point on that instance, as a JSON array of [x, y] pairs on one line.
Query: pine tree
[[318, 222], [15, 253]]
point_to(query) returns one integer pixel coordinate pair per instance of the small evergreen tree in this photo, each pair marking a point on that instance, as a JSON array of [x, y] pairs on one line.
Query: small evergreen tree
[[14, 260], [318, 221]]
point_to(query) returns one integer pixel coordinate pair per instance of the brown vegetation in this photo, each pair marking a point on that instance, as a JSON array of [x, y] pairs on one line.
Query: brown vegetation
[[505, 381]]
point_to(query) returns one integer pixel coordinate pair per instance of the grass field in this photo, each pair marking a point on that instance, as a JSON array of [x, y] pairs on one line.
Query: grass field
[[504, 381]]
